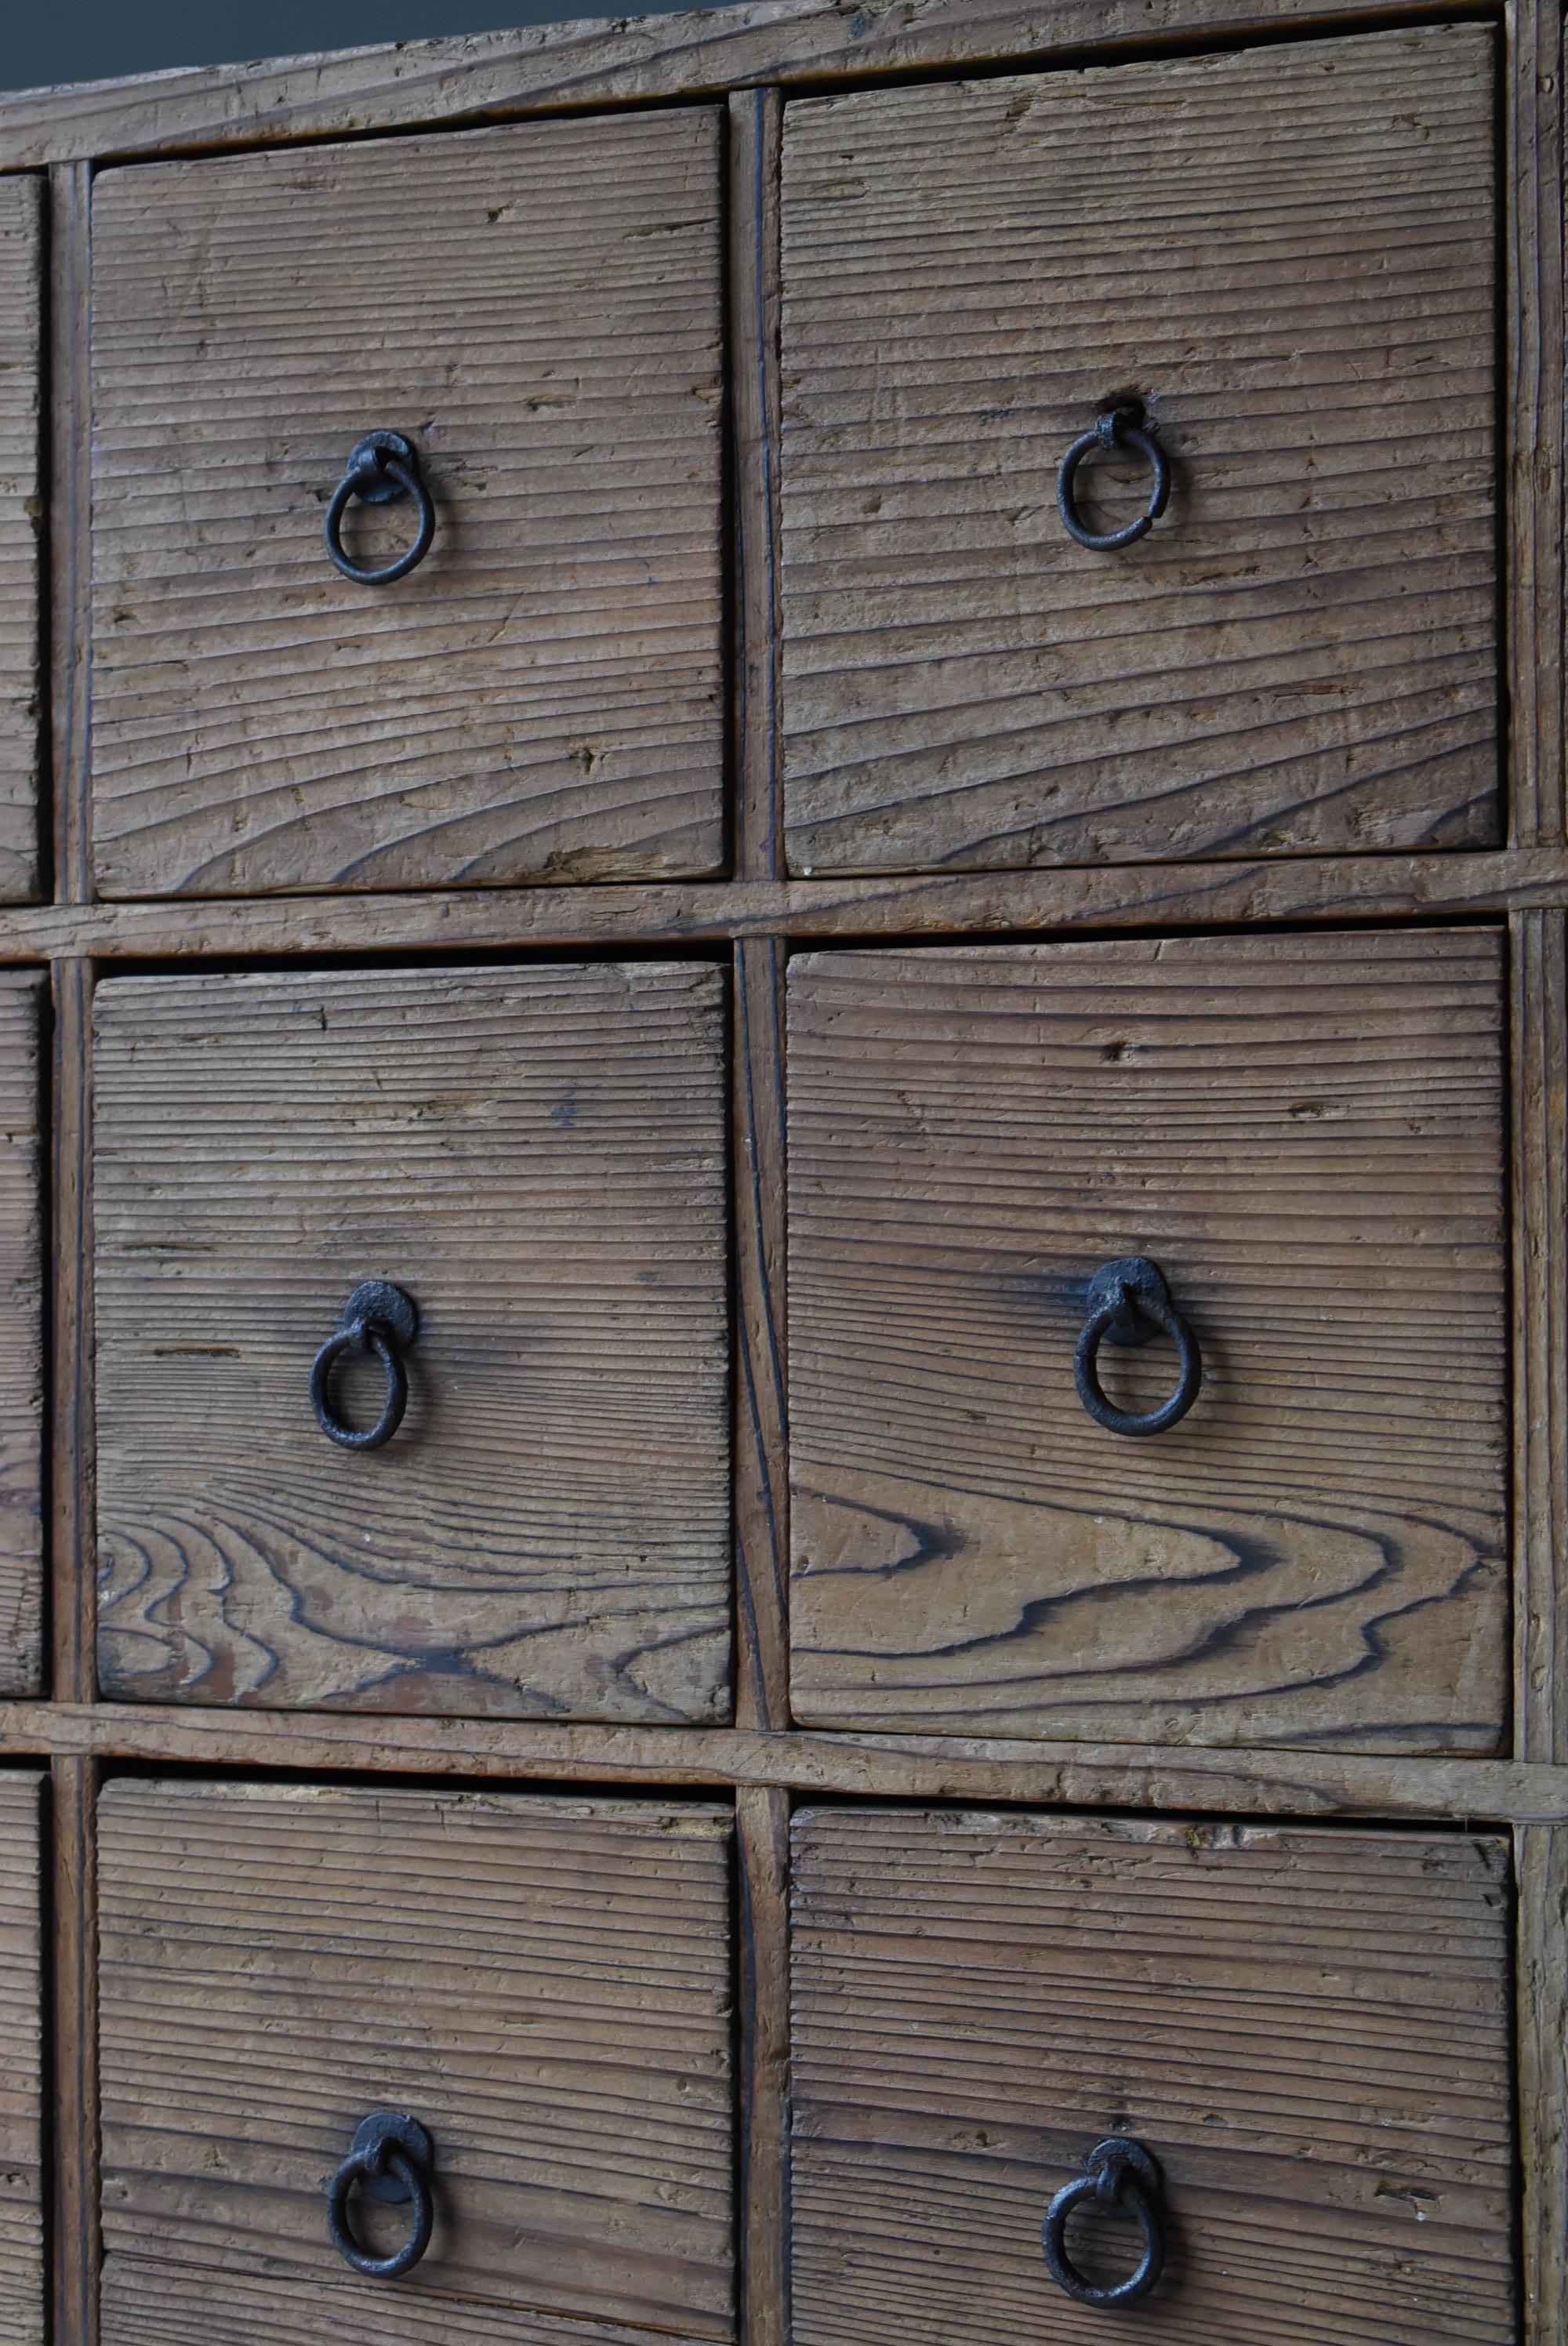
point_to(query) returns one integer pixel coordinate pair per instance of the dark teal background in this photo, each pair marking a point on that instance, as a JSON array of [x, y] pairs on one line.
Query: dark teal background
[[44, 41]]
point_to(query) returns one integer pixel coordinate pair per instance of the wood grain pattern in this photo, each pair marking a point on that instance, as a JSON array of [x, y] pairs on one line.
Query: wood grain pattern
[[545, 1984], [756, 133], [1307, 1135], [21, 2184], [1288, 256], [74, 2239], [538, 1155], [600, 62], [762, 1834], [1330, 888], [1310, 2029], [73, 1590], [21, 529], [70, 524], [875, 1766], [1533, 344], [540, 699], [21, 1341], [1540, 1161], [762, 1430], [151, 2304], [1541, 1860]]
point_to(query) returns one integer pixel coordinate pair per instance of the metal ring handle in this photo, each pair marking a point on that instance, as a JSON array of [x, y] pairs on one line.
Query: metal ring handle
[[1121, 1294], [383, 467], [386, 2146], [378, 1318], [1117, 428], [1119, 2173]]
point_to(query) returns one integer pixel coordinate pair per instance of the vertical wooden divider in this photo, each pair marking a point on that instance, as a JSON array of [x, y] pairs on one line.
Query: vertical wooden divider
[[1539, 1023], [1533, 441], [762, 1658], [74, 1781], [1541, 1861]]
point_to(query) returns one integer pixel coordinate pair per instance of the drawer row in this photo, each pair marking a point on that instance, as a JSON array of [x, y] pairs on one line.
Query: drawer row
[[1256, 291], [485, 2044], [1147, 1339]]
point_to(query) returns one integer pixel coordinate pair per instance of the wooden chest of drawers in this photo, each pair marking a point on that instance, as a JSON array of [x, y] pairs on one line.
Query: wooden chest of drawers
[[783, 1081]]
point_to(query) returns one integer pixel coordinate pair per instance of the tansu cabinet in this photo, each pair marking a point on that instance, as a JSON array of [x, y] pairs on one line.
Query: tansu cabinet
[[783, 1079]]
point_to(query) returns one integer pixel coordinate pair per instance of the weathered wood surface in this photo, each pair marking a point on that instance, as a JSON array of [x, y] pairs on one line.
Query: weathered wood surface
[[73, 1540], [70, 524], [1539, 1027], [1110, 896], [1308, 2029], [762, 1834], [1542, 2003], [597, 61], [1532, 343], [538, 1156], [545, 1984], [1306, 1136], [1289, 256], [74, 2046], [538, 309], [21, 529], [21, 2183], [21, 1339], [1275, 1783], [146, 2303]]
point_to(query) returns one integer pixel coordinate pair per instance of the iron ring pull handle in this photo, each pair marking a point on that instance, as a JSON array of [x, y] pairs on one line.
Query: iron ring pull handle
[[1125, 1298], [1119, 2173], [393, 2158], [1118, 427], [382, 468], [378, 1318]]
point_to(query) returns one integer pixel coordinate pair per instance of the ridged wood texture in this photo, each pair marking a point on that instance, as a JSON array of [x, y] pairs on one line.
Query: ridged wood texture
[[545, 1984], [1289, 256], [1307, 1135], [21, 528], [538, 309], [21, 2185], [537, 1155], [21, 1339], [1308, 2029]]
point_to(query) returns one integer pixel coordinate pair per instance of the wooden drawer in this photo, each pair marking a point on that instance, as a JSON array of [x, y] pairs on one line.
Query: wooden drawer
[[536, 309], [1305, 1135], [22, 2186], [1286, 258], [544, 1985], [1309, 2031], [536, 1157], [21, 508]]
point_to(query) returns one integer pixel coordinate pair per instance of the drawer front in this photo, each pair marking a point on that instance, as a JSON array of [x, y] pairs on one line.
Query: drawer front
[[1287, 258], [21, 2188], [21, 492], [1309, 2031], [543, 1985], [1304, 1135], [537, 310], [535, 1156]]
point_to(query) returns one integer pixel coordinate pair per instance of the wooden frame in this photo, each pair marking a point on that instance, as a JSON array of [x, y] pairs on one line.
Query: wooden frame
[[752, 57]]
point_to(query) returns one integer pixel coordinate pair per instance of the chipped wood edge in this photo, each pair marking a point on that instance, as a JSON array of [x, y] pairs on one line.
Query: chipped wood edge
[[1265, 1783], [762, 1826]]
